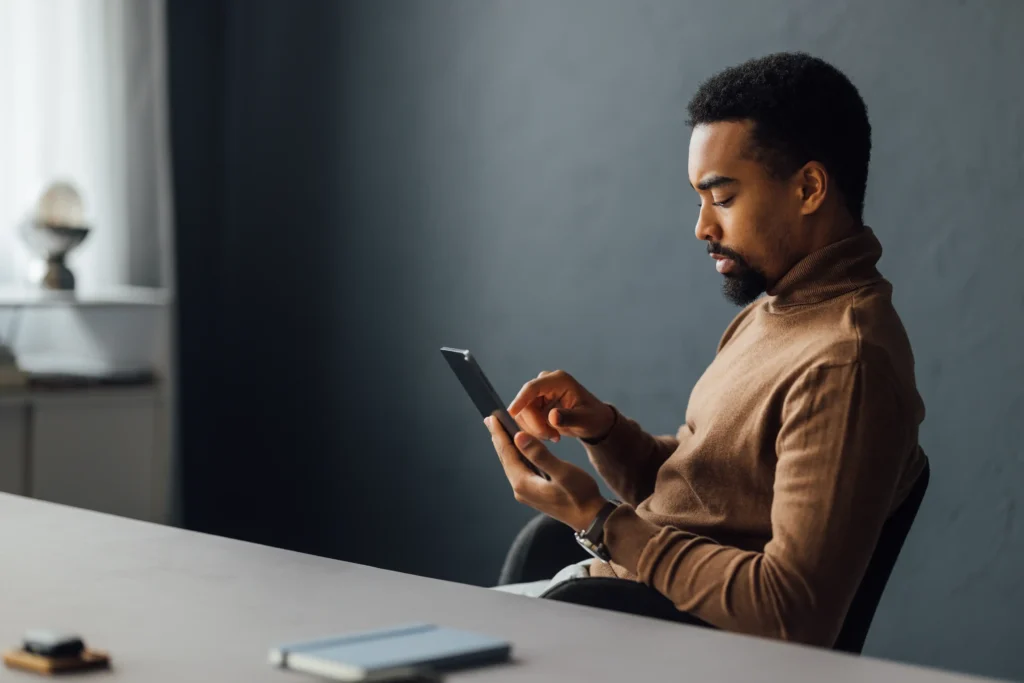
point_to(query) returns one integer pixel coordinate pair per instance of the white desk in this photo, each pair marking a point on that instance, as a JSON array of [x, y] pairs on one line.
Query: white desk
[[172, 605]]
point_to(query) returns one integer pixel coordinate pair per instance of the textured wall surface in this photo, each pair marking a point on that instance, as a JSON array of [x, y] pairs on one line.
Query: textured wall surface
[[511, 177]]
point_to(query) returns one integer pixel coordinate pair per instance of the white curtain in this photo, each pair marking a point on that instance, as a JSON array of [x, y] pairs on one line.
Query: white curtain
[[83, 98]]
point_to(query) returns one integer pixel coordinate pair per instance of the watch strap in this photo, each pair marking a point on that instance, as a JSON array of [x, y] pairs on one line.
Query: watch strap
[[592, 538], [595, 532]]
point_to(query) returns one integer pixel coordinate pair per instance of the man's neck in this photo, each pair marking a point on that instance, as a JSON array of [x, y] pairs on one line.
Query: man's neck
[[829, 228], [821, 230]]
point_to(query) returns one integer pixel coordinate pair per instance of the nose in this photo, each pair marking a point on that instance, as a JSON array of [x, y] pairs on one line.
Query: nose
[[708, 229]]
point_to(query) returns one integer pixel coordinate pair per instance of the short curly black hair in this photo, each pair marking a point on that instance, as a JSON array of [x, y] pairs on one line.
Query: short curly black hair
[[803, 109]]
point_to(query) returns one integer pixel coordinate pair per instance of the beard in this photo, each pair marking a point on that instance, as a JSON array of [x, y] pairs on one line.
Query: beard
[[745, 283]]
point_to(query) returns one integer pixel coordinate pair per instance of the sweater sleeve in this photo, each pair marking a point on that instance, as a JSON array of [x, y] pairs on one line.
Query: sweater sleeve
[[844, 438], [628, 459]]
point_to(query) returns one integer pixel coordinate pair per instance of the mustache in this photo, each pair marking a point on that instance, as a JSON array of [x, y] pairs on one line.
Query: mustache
[[717, 248]]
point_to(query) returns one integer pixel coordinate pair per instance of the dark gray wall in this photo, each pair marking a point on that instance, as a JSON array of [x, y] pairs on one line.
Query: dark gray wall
[[511, 177]]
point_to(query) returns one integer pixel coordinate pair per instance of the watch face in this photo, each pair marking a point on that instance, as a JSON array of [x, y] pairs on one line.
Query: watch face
[[596, 549]]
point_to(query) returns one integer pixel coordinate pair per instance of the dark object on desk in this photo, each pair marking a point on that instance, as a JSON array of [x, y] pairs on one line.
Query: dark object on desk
[[52, 644], [545, 546], [50, 652]]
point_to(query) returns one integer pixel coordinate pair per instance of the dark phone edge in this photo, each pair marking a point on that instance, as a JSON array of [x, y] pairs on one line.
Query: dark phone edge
[[467, 356]]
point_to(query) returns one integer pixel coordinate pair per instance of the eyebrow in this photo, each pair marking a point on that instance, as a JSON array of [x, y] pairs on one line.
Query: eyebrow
[[714, 181]]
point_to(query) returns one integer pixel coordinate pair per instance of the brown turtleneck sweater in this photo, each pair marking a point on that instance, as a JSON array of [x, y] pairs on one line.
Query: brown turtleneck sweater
[[760, 515]]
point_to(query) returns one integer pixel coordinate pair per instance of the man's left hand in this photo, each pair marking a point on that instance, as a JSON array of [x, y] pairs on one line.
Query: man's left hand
[[572, 496]]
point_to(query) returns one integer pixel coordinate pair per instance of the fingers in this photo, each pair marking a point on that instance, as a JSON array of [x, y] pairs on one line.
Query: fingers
[[549, 385], [563, 419], [533, 403], [533, 419], [494, 427], [515, 469], [533, 422], [542, 416], [509, 452], [537, 453]]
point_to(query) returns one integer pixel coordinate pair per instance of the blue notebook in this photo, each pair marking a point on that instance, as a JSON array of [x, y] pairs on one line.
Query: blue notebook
[[388, 653]]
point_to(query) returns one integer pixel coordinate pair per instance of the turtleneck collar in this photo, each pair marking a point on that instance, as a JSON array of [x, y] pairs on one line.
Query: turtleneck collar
[[837, 269]]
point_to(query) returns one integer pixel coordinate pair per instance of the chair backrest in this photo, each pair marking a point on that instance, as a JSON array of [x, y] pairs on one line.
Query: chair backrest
[[636, 598], [865, 602]]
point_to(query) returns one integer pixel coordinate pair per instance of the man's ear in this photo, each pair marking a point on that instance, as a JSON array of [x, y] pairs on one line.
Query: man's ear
[[813, 186]]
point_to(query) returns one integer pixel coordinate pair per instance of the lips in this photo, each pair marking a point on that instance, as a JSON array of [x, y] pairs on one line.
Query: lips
[[723, 264]]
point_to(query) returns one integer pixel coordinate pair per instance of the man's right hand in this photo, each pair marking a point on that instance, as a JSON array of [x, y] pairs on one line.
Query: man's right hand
[[555, 404]]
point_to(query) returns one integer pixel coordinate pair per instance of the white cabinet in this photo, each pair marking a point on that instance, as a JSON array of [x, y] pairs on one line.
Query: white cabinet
[[13, 454], [105, 449], [100, 449]]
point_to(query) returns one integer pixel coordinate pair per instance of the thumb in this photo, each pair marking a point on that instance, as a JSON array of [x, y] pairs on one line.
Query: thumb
[[537, 453], [571, 420]]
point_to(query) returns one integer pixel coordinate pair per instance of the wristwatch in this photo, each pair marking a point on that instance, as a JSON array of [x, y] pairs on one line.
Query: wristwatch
[[592, 538]]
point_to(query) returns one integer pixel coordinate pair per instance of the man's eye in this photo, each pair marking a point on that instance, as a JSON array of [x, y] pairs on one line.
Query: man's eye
[[724, 203]]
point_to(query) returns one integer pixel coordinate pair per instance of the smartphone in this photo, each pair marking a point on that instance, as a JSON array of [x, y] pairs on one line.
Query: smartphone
[[483, 395]]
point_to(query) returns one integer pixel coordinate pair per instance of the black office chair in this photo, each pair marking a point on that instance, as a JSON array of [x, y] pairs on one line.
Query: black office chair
[[554, 540]]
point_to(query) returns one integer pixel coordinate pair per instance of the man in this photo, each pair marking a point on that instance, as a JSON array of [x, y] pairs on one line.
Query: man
[[760, 515]]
